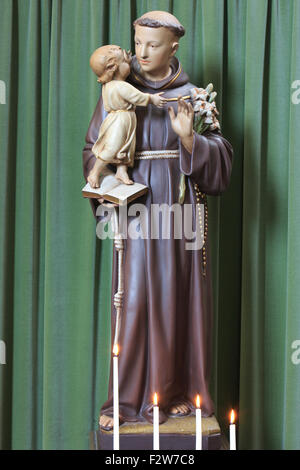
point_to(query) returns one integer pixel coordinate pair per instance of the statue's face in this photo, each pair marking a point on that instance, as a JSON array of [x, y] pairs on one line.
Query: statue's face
[[123, 59], [154, 48]]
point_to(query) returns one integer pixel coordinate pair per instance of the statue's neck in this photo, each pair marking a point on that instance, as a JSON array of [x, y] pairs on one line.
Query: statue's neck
[[161, 75]]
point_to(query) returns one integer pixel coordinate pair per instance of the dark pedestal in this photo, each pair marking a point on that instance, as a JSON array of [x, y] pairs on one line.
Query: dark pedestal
[[175, 434]]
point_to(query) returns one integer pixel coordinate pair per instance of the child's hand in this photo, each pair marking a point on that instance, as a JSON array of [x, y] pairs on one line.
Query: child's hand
[[158, 100]]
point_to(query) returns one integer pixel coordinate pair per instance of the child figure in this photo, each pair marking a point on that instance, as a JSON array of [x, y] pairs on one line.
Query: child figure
[[116, 140]]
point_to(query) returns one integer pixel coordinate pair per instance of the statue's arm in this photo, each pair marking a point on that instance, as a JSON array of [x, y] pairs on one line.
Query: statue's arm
[[90, 138], [210, 162], [133, 95]]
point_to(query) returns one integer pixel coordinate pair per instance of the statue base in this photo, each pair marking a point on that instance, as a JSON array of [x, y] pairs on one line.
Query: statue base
[[174, 434]]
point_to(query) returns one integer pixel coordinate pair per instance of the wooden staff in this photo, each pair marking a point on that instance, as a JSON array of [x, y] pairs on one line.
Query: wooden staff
[[187, 97], [119, 295]]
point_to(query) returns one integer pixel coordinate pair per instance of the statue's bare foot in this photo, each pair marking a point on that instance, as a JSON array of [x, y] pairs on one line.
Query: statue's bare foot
[[179, 409], [106, 422], [122, 174], [94, 175], [93, 179]]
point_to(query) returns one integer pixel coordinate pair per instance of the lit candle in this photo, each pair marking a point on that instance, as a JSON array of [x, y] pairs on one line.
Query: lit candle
[[116, 397], [198, 424], [232, 436], [155, 423]]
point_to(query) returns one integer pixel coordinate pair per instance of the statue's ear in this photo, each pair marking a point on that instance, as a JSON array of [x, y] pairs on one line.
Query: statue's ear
[[111, 66], [109, 71], [175, 46]]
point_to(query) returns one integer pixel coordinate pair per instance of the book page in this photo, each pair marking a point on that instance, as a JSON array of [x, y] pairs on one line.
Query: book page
[[107, 183], [124, 191]]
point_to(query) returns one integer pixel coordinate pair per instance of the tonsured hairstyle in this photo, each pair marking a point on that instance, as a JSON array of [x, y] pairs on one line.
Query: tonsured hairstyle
[[161, 19]]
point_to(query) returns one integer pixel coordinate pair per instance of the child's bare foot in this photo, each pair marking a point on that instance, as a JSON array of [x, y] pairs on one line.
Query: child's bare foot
[[95, 173], [93, 179], [122, 174]]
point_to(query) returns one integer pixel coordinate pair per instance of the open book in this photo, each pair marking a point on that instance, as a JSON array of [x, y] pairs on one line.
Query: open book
[[114, 191]]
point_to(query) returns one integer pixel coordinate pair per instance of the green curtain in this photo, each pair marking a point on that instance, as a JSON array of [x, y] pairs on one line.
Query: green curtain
[[54, 272]]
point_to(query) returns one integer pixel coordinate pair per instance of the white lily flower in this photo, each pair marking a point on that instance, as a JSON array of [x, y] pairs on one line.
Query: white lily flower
[[195, 92]]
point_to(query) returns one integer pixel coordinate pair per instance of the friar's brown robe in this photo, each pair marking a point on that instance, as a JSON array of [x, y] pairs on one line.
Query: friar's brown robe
[[166, 326]]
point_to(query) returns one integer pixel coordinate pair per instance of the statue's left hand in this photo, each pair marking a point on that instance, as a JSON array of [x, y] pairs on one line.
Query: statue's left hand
[[105, 203], [182, 123]]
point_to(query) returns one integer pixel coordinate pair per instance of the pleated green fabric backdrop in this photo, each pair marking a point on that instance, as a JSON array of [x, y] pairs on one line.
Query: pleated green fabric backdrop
[[55, 274]]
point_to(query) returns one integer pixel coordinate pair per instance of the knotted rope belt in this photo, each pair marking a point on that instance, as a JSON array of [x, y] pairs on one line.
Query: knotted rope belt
[[153, 154]]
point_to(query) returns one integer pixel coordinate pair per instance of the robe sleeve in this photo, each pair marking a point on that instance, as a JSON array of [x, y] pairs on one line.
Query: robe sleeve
[[210, 163], [133, 95], [91, 137]]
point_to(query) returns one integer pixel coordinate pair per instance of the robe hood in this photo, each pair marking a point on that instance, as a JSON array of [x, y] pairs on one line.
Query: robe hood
[[177, 78]]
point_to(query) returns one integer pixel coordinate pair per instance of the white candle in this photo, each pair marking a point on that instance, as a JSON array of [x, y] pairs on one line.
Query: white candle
[[198, 424], [116, 397], [155, 423], [232, 435]]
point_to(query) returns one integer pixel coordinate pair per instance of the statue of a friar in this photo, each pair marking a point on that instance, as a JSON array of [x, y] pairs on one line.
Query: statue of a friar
[[166, 325]]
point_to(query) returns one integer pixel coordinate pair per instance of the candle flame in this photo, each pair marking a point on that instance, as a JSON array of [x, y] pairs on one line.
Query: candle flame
[[155, 399], [232, 417], [198, 401], [116, 350]]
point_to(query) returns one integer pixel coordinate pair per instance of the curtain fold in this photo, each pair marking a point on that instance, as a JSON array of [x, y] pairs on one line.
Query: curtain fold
[[8, 107], [267, 374], [291, 378], [253, 248], [54, 272]]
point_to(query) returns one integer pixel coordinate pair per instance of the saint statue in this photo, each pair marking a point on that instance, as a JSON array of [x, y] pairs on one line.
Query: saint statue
[[166, 324]]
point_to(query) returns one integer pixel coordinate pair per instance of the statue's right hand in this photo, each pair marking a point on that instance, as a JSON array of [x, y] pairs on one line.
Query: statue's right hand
[[118, 300], [101, 200]]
